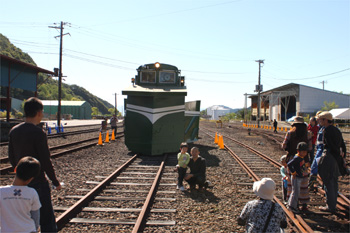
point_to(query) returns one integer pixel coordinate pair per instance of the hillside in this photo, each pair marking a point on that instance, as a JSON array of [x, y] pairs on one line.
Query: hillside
[[47, 86]]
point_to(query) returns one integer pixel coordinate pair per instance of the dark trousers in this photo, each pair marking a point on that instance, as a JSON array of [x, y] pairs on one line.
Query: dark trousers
[[182, 172], [200, 180], [47, 216], [284, 191], [329, 172], [115, 130]]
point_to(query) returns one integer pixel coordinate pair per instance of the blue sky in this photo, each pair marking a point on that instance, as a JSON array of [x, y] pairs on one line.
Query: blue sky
[[214, 43]]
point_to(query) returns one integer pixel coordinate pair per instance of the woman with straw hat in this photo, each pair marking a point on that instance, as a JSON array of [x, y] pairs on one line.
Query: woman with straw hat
[[293, 137]]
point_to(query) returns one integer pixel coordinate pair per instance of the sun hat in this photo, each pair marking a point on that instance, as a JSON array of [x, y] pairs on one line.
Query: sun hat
[[264, 188], [326, 115], [283, 157], [298, 120], [302, 146], [318, 114]]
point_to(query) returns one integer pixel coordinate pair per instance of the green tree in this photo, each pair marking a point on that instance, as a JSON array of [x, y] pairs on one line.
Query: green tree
[[229, 116], [329, 106], [112, 111], [95, 111]]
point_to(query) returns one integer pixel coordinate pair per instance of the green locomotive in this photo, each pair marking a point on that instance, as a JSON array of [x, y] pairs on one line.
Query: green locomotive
[[157, 119]]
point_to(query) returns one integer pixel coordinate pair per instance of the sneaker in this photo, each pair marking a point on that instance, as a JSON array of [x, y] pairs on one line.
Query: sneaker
[[178, 186], [182, 189]]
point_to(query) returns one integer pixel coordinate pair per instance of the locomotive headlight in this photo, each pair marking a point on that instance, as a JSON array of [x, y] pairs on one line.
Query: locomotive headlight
[[157, 65]]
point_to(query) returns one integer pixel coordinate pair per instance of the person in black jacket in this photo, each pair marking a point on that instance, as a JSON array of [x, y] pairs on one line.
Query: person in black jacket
[[274, 126], [27, 139], [331, 164], [197, 175]]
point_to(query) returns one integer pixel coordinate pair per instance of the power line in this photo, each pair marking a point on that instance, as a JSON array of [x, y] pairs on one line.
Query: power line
[[170, 13], [319, 76]]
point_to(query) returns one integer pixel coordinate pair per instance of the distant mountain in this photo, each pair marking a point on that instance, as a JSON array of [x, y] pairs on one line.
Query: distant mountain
[[47, 86]]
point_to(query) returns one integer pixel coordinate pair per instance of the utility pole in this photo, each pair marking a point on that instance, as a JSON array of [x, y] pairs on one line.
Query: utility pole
[[245, 108], [60, 74], [259, 89], [323, 82], [115, 104]]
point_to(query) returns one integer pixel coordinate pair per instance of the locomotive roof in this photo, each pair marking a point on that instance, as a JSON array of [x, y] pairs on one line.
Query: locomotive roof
[[163, 66], [152, 90]]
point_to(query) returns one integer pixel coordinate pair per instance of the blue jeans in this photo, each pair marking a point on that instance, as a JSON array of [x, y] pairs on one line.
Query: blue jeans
[[47, 216], [314, 165], [294, 196]]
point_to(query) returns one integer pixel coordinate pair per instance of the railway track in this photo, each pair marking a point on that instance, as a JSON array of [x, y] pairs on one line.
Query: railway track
[[278, 139], [91, 129], [258, 165], [58, 150], [127, 199]]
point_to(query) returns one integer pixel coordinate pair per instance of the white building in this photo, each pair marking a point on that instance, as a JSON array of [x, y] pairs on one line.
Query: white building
[[293, 99], [216, 111]]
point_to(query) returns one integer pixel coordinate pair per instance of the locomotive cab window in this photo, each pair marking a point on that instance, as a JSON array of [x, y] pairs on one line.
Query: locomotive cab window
[[166, 77], [148, 77]]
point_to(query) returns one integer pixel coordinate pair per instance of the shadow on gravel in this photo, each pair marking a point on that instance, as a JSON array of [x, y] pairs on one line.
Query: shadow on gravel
[[211, 160], [205, 197]]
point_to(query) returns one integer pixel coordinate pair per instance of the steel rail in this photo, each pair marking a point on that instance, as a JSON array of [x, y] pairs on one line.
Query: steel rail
[[298, 222], [7, 169], [343, 201], [65, 217], [141, 220]]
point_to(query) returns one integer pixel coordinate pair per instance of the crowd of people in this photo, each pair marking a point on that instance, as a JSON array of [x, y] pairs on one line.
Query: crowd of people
[[26, 204]]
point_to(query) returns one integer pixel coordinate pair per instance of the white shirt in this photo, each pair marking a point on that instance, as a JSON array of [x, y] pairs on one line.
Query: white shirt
[[16, 202]]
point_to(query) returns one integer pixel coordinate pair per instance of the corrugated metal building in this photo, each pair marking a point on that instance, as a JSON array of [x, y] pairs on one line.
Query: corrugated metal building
[[77, 109], [216, 111], [293, 99]]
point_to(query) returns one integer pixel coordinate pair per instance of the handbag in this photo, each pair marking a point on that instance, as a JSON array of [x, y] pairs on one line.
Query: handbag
[[269, 217]]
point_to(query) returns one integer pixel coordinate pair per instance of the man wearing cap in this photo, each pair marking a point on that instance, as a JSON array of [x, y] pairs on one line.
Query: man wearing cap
[[331, 164], [263, 215]]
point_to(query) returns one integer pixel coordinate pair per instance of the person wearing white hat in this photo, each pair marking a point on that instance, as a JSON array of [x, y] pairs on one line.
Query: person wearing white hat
[[263, 215], [331, 164]]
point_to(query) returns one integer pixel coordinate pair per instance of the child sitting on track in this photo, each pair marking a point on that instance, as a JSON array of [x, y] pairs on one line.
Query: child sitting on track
[[20, 204], [183, 159]]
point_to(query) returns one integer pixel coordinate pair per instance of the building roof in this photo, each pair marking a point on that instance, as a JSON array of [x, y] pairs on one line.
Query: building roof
[[63, 103], [289, 86], [219, 107], [32, 67], [341, 113]]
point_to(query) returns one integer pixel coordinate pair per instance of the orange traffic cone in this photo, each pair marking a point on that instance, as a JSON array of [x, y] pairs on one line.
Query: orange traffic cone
[[285, 129], [107, 137], [221, 142], [100, 140], [113, 136], [216, 141]]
